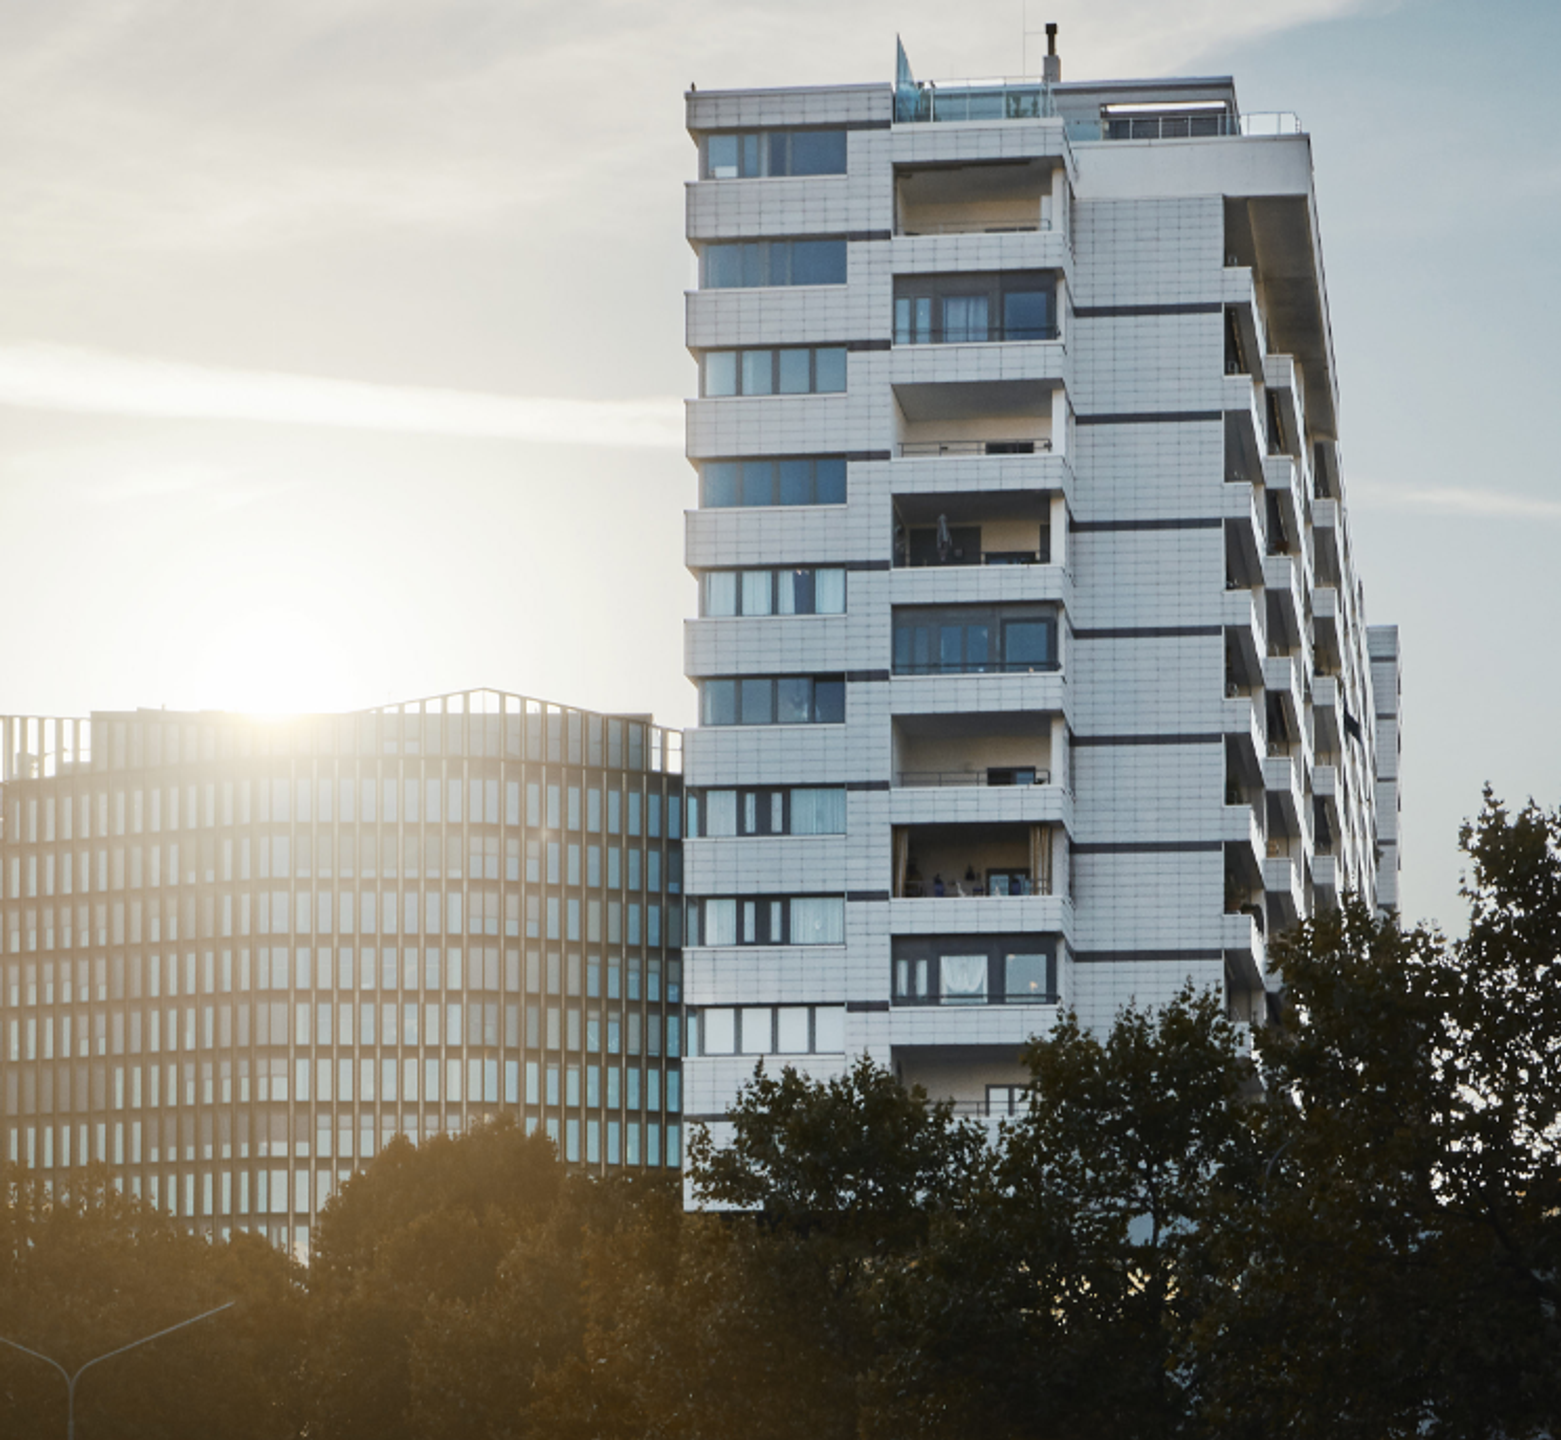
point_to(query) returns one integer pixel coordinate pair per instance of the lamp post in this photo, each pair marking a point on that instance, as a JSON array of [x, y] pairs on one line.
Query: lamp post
[[70, 1380]]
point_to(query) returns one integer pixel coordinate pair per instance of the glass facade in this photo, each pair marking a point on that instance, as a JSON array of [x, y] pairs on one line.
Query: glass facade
[[240, 955]]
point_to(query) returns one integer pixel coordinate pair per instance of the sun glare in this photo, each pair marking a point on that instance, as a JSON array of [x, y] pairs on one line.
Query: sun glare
[[274, 661]]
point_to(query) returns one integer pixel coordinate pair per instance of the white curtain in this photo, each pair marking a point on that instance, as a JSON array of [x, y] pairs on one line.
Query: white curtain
[[963, 978]]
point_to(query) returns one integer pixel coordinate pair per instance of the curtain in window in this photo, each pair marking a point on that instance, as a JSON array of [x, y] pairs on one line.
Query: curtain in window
[[963, 978], [720, 922], [818, 920]]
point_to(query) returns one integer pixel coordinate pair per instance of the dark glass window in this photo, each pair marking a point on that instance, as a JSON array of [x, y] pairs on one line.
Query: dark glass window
[[757, 154], [820, 480], [772, 700], [971, 307], [971, 639], [789, 370], [741, 264]]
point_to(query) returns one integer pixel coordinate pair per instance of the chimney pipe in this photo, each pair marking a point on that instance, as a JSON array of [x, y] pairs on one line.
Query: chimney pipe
[[1051, 71]]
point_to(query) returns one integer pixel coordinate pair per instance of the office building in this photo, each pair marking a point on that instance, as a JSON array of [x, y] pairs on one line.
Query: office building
[[1032, 660], [241, 954]]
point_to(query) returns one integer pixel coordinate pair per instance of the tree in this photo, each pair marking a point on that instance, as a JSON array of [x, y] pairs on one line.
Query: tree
[[1060, 1298], [85, 1269], [1398, 1276], [424, 1227]]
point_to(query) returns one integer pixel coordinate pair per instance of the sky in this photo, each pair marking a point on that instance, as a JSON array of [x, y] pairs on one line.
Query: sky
[[341, 348]]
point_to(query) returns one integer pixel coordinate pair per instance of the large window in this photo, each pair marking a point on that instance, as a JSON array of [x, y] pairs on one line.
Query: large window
[[755, 154], [975, 970], [773, 700], [768, 810], [747, 264], [975, 640], [974, 307], [786, 370], [802, 591], [767, 920], [768, 1030], [801, 480]]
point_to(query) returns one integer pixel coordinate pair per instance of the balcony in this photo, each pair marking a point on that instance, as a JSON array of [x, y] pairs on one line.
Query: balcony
[[967, 862], [975, 198], [976, 307], [960, 528], [951, 445], [979, 419]]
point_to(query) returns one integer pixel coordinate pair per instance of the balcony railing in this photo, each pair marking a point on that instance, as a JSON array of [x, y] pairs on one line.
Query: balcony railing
[[975, 227], [1013, 884], [925, 449], [990, 667], [1197, 126], [999, 776], [977, 557], [972, 334]]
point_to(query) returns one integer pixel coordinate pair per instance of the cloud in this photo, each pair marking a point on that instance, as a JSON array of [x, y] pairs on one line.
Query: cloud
[[57, 377], [1453, 501]]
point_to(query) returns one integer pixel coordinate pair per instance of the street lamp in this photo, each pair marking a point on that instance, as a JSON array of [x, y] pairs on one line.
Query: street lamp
[[70, 1380]]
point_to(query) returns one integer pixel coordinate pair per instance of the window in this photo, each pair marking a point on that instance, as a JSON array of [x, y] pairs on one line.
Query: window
[[756, 154], [773, 700], [769, 811], [786, 370], [768, 920], [973, 640], [802, 591], [746, 264], [972, 307], [771, 1030], [974, 970], [803, 480]]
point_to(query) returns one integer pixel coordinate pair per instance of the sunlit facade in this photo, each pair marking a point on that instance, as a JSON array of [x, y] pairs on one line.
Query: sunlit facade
[[1031, 652], [241, 954]]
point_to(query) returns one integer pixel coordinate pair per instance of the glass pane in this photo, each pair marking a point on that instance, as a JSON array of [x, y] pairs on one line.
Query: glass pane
[[755, 1029], [755, 256], [758, 482], [964, 318], [829, 1029], [750, 163], [757, 701], [830, 474], [829, 702], [720, 702], [818, 920], [777, 153], [818, 262], [721, 592], [794, 372], [818, 811], [721, 157], [758, 372], [818, 152], [796, 482], [720, 812], [718, 1032], [720, 483], [978, 655], [1026, 977], [723, 266], [720, 372], [950, 647], [791, 1024], [720, 922], [1027, 315], [830, 369], [902, 320], [1027, 645], [963, 979], [829, 592], [792, 693], [757, 591]]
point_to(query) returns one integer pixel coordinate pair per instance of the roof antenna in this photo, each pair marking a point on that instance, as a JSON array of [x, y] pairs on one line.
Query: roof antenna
[[1051, 72]]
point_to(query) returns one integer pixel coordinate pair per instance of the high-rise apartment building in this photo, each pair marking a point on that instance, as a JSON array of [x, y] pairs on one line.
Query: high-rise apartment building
[[239, 955], [1031, 657]]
